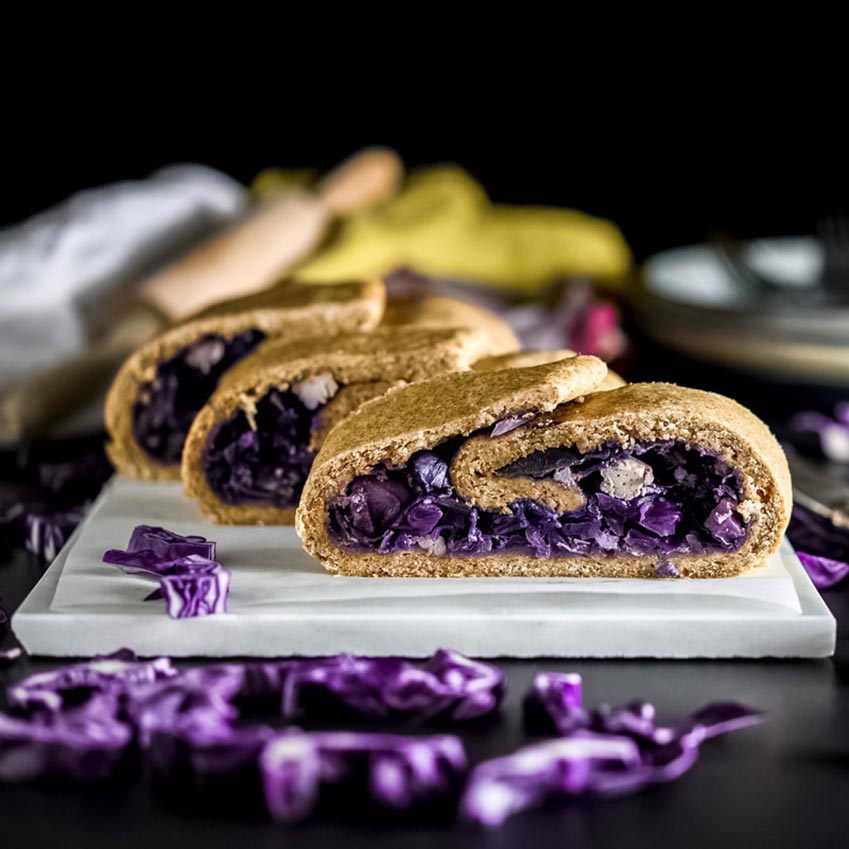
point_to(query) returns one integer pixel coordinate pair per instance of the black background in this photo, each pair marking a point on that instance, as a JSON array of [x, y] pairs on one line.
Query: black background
[[670, 167]]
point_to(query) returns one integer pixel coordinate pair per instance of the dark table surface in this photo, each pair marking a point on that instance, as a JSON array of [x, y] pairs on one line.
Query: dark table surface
[[781, 784]]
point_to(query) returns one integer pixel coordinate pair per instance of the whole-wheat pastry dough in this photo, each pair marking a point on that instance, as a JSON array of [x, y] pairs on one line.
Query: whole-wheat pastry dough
[[161, 385], [526, 359], [494, 338], [250, 448], [529, 471]]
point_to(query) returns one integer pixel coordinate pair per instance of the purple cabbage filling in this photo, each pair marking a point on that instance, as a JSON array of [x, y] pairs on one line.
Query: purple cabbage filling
[[167, 405], [265, 464], [653, 498]]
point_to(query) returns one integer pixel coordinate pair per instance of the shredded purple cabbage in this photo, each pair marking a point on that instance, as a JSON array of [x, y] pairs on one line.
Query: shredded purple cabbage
[[448, 686], [401, 773], [808, 531], [536, 774], [147, 563], [168, 544], [190, 580], [606, 751], [684, 504], [553, 705], [823, 571], [109, 675], [48, 530], [191, 568], [209, 691], [264, 462], [510, 423], [188, 723], [50, 495], [196, 594], [475, 688], [723, 717], [82, 743], [187, 727], [198, 750], [157, 551], [554, 694], [167, 406], [82, 722], [833, 433], [822, 546]]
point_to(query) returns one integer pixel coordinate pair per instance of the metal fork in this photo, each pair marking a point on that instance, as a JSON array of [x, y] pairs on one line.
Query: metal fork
[[833, 232], [730, 253]]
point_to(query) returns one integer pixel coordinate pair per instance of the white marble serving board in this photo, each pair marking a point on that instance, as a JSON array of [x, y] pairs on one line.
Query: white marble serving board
[[283, 603]]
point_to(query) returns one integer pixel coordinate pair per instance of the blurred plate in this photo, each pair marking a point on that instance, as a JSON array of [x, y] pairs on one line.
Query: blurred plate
[[689, 302]]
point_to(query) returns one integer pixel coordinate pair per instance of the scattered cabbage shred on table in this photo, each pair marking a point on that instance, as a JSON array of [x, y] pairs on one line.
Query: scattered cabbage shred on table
[[822, 546], [192, 582], [95, 720], [13, 652], [606, 751], [40, 509]]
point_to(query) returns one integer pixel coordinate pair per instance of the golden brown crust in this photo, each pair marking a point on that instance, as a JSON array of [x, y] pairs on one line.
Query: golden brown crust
[[288, 311], [495, 335], [348, 399], [409, 419], [475, 479], [367, 363], [525, 359], [366, 297], [631, 413]]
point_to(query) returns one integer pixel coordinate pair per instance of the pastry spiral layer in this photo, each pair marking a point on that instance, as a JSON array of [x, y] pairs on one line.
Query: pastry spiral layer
[[251, 447], [159, 389], [532, 471]]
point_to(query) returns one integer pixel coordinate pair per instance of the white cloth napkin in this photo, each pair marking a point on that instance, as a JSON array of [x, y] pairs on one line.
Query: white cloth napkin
[[55, 266]]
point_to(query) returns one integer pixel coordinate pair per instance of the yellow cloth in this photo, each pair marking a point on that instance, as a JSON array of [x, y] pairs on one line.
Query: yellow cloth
[[442, 224], [272, 181]]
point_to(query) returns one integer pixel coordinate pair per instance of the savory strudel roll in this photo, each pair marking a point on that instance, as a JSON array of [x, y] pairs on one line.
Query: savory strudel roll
[[251, 447], [159, 389], [530, 471]]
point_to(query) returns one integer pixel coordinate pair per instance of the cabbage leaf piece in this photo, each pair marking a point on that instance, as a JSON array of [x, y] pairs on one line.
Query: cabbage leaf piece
[[401, 773]]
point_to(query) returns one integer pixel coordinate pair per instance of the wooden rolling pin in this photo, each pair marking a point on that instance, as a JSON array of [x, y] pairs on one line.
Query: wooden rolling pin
[[257, 251], [245, 258]]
